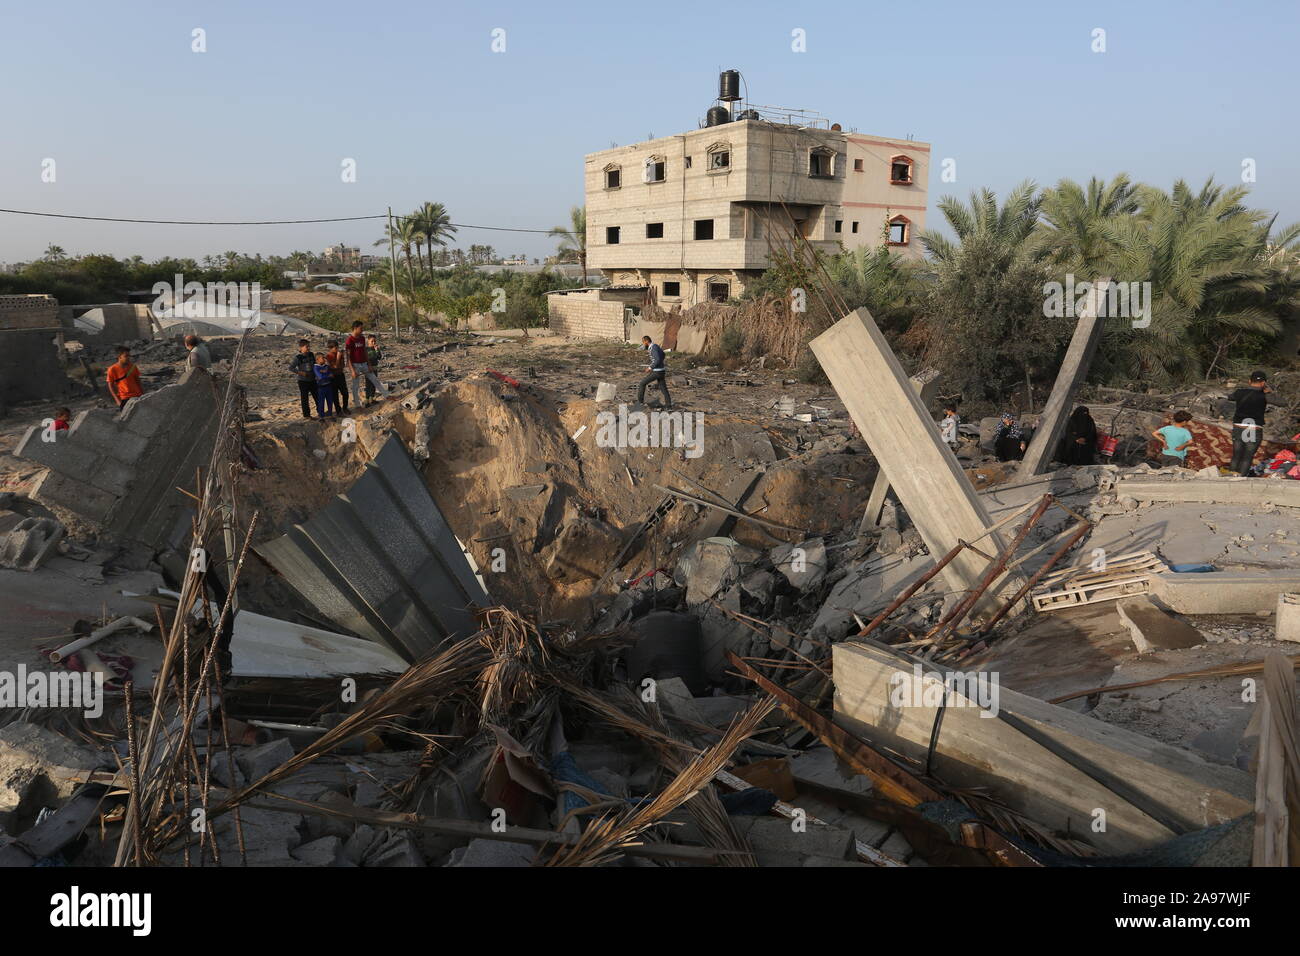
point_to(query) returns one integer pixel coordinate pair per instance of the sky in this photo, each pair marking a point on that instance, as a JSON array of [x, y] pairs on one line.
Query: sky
[[260, 124]]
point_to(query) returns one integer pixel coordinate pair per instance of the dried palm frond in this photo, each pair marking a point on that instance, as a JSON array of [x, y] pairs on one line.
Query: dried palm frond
[[605, 838]]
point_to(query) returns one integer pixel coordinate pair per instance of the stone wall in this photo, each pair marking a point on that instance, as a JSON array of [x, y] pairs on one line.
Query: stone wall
[[121, 470]]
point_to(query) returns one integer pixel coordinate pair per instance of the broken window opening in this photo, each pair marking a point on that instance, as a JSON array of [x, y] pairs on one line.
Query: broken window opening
[[703, 228]]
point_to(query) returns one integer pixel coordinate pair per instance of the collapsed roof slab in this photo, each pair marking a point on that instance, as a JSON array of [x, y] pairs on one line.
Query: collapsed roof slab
[[1055, 766], [926, 385], [906, 442], [382, 562]]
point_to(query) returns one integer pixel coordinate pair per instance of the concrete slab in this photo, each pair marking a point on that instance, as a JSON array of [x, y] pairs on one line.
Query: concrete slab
[[1153, 629], [1223, 592], [1287, 623]]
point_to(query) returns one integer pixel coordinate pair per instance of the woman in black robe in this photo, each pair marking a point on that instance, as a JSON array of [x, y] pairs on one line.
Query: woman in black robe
[[1009, 439], [1080, 438]]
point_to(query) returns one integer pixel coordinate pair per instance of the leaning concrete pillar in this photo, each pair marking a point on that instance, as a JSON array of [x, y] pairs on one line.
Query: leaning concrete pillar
[[925, 386], [1074, 369], [896, 425]]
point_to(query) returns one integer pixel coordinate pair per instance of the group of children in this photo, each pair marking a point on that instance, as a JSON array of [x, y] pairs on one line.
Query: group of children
[[323, 376]]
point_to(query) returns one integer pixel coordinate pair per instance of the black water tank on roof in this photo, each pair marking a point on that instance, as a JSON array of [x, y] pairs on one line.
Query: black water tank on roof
[[747, 114], [717, 115], [729, 85]]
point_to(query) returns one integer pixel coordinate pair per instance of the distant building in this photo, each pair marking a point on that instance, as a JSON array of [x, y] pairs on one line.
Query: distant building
[[695, 216]]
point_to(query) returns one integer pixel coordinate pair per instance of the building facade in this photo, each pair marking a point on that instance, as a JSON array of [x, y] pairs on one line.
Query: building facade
[[696, 217]]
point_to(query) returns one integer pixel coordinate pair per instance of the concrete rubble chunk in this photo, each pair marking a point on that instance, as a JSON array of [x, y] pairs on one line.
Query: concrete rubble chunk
[[1153, 629], [494, 853], [325, 851], [258, 761], [606, 392], [30, 543], [1287, 624], [803, 565]]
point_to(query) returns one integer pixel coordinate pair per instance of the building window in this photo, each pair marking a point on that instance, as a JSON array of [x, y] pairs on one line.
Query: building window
[[900, 171], [821, 163], [719, 291], [720, 159], [703, 228], [611, 235], [839, 225], [900, 230], [687, 162], [613, 178], [656, 170], [855, 225], [673, 289], [654, 230], [857, 165]]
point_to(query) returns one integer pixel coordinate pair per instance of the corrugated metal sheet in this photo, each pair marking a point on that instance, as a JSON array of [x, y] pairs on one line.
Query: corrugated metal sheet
[[382, 562]]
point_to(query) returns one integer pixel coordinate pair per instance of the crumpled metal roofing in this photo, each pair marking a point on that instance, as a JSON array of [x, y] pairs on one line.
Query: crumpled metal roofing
[[382, 562]]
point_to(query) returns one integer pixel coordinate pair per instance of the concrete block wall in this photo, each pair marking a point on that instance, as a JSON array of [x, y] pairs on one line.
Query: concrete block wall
[[28, 312], [121, 470], [586, 315]]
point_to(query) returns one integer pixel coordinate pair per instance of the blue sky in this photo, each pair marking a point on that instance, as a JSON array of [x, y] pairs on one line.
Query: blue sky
[[257, 127]]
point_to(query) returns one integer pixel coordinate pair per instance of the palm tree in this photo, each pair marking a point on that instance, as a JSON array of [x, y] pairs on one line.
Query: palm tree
[[573, 239], [984, 326], [1075, 220], [54, 253], [231, 258], [434, 223], [1212, 280]]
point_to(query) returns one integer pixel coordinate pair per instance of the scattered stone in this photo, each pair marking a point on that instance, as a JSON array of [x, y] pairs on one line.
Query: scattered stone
[[1154, 629]]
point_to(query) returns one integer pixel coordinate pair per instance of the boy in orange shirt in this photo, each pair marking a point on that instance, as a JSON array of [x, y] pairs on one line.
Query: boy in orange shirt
[[124, 378]]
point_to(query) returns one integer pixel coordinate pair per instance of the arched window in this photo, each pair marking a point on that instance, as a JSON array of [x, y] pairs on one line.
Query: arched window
[[613, 176], [655, 170], [900, 231], [900, 171], [719, 158]]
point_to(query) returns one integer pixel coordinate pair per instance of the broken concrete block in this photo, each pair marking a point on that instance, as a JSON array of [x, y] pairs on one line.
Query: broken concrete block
[[326, 851], [710, 566], [606, 392], [820, 766], [804, 564], [778, 837], [495, 853], [753, 447], [889, 542], [759, 586], [1153, 629], [257, 762], [396, 849], [221, 771], [36, 767], [30, 543], [675, 697], [1287, 624]]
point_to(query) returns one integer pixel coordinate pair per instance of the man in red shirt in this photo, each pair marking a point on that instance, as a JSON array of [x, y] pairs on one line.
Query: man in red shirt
[[355, 346], [124, 378]]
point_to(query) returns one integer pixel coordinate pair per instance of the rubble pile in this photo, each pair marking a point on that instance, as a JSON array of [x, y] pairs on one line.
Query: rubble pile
[[475, 625]]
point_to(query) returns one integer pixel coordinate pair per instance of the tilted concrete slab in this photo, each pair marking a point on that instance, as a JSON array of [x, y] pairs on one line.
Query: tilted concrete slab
[[905, 440], [926, 385], [382, 562], [121, 470], [1153, 629]]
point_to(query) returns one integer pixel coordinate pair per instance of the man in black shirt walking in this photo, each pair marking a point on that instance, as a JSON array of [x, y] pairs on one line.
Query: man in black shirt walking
[[1248, 422], [301, 366]]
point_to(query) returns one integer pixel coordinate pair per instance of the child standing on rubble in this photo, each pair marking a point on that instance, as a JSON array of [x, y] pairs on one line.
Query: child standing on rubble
[[334, 358], [1176, 437], [948, 427], [327, 403], [302, 366]]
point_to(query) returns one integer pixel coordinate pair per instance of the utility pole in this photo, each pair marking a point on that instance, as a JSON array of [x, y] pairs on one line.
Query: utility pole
[[392, 264]]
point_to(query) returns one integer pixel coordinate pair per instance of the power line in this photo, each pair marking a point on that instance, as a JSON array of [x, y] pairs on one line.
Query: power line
[[256, 222]]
